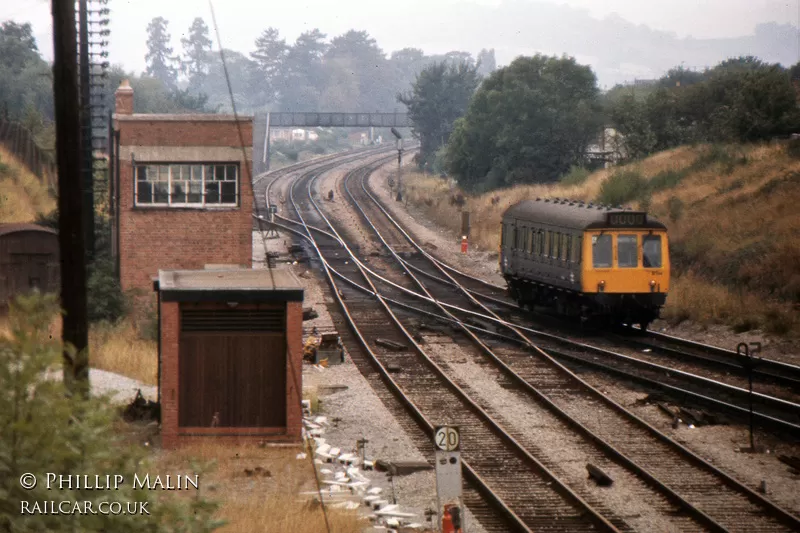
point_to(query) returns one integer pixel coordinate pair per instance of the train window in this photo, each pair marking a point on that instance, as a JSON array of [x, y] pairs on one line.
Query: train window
[[541, 242], [627, 251], [651, 251], [554, 245], [514, 242], [547, 237], [601, 251], [576, 249], [531, 234], [565, 247]]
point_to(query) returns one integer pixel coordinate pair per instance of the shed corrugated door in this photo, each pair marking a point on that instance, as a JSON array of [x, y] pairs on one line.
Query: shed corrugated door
[[232, 365]]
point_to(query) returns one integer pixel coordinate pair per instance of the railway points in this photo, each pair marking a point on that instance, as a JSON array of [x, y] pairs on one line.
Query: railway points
[[330, 242]]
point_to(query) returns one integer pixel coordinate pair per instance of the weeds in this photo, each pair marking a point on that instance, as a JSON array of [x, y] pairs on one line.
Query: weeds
[[622, 187], [576, 176]]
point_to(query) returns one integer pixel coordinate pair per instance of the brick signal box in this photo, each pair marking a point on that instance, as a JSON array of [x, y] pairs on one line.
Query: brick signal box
[[181, 191], [230, 355]]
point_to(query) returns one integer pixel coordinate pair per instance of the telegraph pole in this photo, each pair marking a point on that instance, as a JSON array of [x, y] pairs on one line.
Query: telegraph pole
[[71, 233]]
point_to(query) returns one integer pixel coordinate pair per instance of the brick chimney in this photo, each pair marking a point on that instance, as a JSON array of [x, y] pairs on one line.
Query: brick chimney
[[124, 98]]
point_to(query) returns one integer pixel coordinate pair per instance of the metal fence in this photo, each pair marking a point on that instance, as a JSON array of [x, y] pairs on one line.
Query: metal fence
[[18, 140]]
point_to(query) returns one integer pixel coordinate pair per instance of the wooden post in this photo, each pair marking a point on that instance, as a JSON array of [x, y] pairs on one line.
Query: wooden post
[[70, 197]]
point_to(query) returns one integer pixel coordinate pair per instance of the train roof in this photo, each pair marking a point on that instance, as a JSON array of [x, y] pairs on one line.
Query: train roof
[[574, 215]]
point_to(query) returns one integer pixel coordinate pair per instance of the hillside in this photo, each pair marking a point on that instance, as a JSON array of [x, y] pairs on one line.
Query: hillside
[[732, 217], [22, 195]]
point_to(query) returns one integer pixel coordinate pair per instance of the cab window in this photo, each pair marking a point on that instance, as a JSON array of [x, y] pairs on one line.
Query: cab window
[[601, 251], [627, 254], [651, 251]]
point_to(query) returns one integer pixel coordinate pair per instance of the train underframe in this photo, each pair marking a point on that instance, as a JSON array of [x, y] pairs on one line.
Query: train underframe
[[607, 309]]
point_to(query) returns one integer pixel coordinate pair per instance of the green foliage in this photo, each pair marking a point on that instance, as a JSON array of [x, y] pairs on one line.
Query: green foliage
[[439, 96], [739, 100], [46, 431], [528, 123], [196, 52], [675, 208], [577, 175], [159, 58], [105, 300], [666, 179], [622, 187]]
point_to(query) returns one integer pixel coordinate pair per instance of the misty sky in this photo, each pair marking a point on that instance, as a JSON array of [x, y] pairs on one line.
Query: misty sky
[[581, 28]]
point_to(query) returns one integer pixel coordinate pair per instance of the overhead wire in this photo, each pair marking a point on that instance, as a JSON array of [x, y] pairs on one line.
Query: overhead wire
[[295, 379]]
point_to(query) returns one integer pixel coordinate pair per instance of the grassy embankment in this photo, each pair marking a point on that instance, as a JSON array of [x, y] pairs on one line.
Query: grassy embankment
[[731, 212], [22, 195]]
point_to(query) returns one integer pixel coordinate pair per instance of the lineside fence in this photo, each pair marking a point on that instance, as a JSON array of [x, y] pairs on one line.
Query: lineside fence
[[18, 140]]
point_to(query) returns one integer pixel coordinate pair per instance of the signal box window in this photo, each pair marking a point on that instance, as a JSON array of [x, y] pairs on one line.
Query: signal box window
[[651, 251], [627, 253], [195, 186], [601, 251]]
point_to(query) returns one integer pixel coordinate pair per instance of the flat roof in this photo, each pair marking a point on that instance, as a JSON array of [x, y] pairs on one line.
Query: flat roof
[[229, 285], [185, 117], [15, 227]]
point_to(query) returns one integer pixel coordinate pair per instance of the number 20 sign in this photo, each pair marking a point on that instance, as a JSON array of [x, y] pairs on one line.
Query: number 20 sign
[[447, 438]]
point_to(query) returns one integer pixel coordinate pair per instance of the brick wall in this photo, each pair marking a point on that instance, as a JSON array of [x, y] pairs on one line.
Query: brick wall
[[153, 238], [170, 382]]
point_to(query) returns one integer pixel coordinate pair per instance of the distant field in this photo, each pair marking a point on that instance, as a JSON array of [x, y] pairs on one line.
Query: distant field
[[22, 195], [732, 214]]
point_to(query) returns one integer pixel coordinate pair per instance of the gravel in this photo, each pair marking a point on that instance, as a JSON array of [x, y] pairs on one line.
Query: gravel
[[356, 412]]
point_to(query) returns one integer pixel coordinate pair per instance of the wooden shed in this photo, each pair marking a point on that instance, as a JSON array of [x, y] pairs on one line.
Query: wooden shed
[[230, 355], [28, 260]]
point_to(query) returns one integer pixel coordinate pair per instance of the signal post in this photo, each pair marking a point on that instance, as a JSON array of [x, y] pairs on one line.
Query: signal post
[[448, 479]]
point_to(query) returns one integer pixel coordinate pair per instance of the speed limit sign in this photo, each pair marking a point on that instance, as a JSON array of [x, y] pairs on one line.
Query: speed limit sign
[[447, 438]]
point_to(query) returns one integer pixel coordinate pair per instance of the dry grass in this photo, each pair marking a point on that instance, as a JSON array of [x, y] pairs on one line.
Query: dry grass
[[258, 503], [119, 348], [22, 195], [115, 348], [738, 227]]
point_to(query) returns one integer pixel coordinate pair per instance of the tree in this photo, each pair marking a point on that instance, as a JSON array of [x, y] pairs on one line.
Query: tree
[[486, 61], [304, 72], [528, 122], [356, 55], [270, 58], [631, 121], [159, 58], [17, 46], [196, 52], [439, 96]]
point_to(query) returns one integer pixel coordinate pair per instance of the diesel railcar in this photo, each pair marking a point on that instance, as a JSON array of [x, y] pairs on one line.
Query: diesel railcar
[[595, 262]]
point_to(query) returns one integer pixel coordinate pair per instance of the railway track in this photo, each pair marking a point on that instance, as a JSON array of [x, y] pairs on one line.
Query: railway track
[[425, 388], [713, 477], [719, 384], [735, 515]]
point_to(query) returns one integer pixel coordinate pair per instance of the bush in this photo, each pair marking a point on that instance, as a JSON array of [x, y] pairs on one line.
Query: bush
[[576, 176], [105, 300], [793, 148], [46, 430], [622, 187], [675, 208], [666, 179]]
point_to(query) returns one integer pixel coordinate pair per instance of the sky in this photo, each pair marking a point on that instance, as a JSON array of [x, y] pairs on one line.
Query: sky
[[426, 24]]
